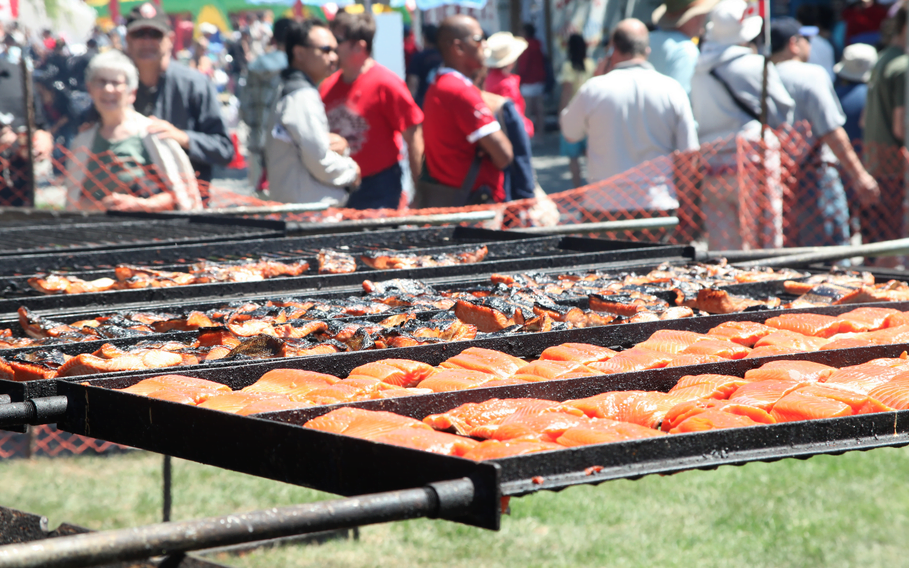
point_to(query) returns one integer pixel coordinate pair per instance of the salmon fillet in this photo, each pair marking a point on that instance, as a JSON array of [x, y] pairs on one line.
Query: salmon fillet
[[361, 423], [455, 379], [491, 412], [866, 319], [792, 340], [428, 441], [742, 332], [398, 372], [814, 325], [712, 419], [233, 402], [544, 370], [671, 341], [687, 359], [790, 371], [633, 359], [713, 386], [578, 353], [685, 410], [487, 361], [717, 348], [772, 351], [863, 379], [286, 381], [892, 394], [763, 394], [545, 427], [494, 449], [605, 432], [272, 405], [799, 405]]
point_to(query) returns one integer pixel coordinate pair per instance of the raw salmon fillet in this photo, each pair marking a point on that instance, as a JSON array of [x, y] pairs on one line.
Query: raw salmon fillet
[[892, 394], [545, 370], [634, 359], [398, 372], [671, 341], [772, 351], [840, 342], [683, 411], [865, 319], [361, 423], [716, 386], [180, 396], [472, 414], [285, 381], [234, 402], [763, 394], [890, 335], [545, 427], [494, 449], [605, 432], [645, 408], [428, 441], [500, 383], [197, 389], [858, 402], [485, 361], [862, 378], [577, 352], [792, 340], [815, 325], [742, 332], [790, 371], [718, 348], [798, 405], [686, 360], [272, 405], [712, 420], [455, 379]]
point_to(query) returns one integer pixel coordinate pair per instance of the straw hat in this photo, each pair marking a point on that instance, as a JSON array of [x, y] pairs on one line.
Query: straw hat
[[503, 49], [730, 25], [858, 60], [675, 13]]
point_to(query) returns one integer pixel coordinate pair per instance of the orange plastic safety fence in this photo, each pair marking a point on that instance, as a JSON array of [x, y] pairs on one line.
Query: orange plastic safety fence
[[46, 440]]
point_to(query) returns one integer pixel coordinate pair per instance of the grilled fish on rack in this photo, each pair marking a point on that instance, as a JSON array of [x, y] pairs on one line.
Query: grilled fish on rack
[[335, 262], [394, 260]]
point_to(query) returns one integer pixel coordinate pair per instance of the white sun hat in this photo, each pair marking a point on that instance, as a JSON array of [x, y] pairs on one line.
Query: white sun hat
[[730, 23], [503, 49]]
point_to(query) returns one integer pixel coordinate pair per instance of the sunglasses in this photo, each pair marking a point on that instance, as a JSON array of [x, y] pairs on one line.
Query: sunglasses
[[147, 33], [476, 38], [326, 49]]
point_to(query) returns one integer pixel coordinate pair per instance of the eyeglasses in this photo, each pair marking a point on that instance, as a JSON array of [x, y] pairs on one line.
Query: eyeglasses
[[146, 33], [103, 83], [476, 38], [326, 49]]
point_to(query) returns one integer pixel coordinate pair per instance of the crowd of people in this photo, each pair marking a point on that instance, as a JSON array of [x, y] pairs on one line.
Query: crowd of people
[[327, 122]]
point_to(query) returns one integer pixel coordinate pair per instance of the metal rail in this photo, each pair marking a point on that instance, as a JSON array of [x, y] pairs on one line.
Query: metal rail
[[885, 248], [263, 210], [606, 226], [45, 410], [93, 549], [361, 224]]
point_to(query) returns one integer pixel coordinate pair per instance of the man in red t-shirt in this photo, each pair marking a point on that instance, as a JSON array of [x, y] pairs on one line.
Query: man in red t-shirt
[[459, 126], [372, 109]]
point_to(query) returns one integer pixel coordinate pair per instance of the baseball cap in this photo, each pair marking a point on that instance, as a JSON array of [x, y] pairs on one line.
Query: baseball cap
[[783, 29], [147, 15]]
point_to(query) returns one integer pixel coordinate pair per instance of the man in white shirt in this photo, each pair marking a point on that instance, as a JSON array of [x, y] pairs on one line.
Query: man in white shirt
[[631, 115]]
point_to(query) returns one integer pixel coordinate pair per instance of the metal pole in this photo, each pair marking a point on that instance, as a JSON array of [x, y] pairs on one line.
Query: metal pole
[[167, 499], [905, 145], [606, 226], [885, 248], [29, 127], [447, 497], [342, 226]]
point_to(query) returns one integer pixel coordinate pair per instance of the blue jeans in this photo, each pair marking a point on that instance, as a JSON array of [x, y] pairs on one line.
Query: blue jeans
[[378, 191], [823, 218]]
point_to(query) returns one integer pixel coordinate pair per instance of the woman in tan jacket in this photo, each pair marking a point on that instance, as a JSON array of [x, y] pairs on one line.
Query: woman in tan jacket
[[116, 164]]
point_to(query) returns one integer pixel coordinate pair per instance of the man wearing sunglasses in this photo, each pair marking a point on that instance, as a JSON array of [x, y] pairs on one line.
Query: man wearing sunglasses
[[302, 165], [372, 109], [182, 102], [466, 148]]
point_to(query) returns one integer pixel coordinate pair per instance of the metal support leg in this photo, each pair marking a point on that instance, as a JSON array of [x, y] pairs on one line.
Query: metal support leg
[[167, 475]]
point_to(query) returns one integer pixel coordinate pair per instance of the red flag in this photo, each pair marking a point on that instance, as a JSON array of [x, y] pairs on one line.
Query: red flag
[[114, 8], [298, 10]]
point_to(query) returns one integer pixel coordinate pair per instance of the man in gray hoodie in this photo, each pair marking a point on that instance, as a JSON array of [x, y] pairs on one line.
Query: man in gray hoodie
[[302, 166]]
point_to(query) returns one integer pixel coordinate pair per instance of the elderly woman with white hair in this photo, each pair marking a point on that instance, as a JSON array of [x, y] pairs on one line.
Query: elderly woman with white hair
[[117, 164]]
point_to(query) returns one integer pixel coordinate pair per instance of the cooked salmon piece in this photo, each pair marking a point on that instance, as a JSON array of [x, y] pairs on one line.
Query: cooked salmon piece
[[234, 402], [793, 340], [742, 332], [688, 359], [799, 405], [671, 341], [197, 389], [605, 432], [865, 319], [712, 419], [361, 423], [6, 371], [633, 359], [544, 370], [763, 394], [646, 408], [772, 351], [815, 325], [863, 379], [790, 371], [455, 379], [24, 371], [488, 317], [286, 381], [682, 411], [273, 404], [897, 320], [494, 449], [717, 348], [545, 427], [428, 441], [713, 386], [398, 372], [472, 415], [487, 361], [577, 352]]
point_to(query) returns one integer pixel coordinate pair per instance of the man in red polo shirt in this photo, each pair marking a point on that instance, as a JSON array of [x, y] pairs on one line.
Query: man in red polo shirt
[[458, 125], [372, 109]]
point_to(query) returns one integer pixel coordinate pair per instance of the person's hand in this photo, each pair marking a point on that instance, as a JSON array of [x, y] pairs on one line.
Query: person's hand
[[42, 145], [166, 130], [337, 143], [867, 189], [357, 181], [123, 202]]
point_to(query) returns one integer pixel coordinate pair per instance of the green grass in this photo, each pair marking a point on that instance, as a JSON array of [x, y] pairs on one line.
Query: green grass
[[850, 510]]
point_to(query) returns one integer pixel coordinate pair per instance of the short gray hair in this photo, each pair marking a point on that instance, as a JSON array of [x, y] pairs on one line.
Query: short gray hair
[[113, 60]]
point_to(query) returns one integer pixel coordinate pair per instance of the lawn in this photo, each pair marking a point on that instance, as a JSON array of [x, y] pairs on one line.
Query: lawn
[[849, 510]]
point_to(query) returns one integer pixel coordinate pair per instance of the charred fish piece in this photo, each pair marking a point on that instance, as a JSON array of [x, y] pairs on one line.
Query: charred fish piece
[[336, 262]]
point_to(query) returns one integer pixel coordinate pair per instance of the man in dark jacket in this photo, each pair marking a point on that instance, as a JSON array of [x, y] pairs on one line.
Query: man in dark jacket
[[182, 102]]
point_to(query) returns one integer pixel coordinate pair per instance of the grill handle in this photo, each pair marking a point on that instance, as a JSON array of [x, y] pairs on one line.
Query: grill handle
[[443, 498], [46, 410]]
